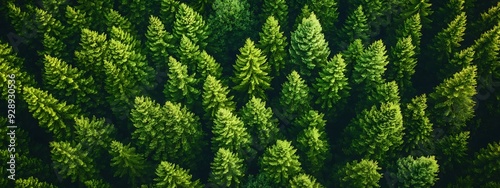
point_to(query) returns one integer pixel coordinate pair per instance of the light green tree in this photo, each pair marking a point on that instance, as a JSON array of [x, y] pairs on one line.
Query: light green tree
[[358, 174], [216, 96], [356, 27], [171, 175], [260, 123], [332, 86], [418, 128], [327, 13], [190, 23], [188, 53], [127, 162], [412, 27], [369, 69], [304, 180], [159, 44], [230, 133], [273, 43], [227, 169], [32, 182], [71, 161], [180, 86], [417, 172], [207, 65], [280, 162], [294, 95], [93, 134], [402, 65], [313, 147]]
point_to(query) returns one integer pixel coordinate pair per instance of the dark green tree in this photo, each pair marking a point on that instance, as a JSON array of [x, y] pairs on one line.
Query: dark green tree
[[412, 27], [332, 86], [278, 9], [11, 67], [305, 12], [171, 175], [91, 54], [418, 128], [458, 61], [452, 150], [47, 24], [206, 65], [488, 19], [356, 27], [447, 41], [53, 47], [115, 19], [449, 11], [327, 13], [313, 146], [304, 180], [486, 163], [75, 20], [230, 133], [93, 134], [168, 11], [294, 95], [71, 161], [308, 119], [227, 169], [191, 24], [309, 50], [369, 69], [351, 55], [216, 96], [487, 49], [188, 53], [417, 172], [280, 162], [260, 123], [274, 44], [421, 7], [180, 87], [96, 11], [127, 162], [357, 174], [384, 93], [147, 116], [402, 65]]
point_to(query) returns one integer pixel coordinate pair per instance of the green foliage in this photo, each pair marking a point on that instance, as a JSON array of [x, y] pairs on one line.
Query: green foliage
[[314, 149], [304, 180], [96, 11], [418, 128], [180, 87], [273, 43], [357, 174], [171, 175], [305, 12], [412, 27], [121, 90], [93, 134], [459, 61], [227, 169], [309, 50], [376, 133], [206, 65], [53, 47], [384, 93], [260, 123], [327, 13], [146, 117], [356, 27], [11, 64], [487, 49], [278, 9], [309, 119], [251, 71], [94, 183], [51, 113], [370, 67], [294, 96], [76, 21], [402, 65], [159, 44], [115, 19], [230, 133], [216, 96], [71, 161], [453, 103], [188, 53], [450, 10], [421, 7], [190, 24], [417, 172], [452, 149], [280, 162], [332, 85], [92, 52], [168, 10], [32, 182], [488, 18], [487, 163], [447, 41], [47, 24], [260, 180], [351, 55], [126, 161]]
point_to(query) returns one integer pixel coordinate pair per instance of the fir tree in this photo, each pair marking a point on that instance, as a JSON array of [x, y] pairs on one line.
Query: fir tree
[[230, 133], [447, 41], [486, 163], [188, 54], [309, 50], [356, 27], [280, 162], [314, 149], [126, 162], [96, 11], [417, 172], [206, 65], [159, 44], [11, 67], [305, 12], [332, 86], [168, 10], [418, 128], [91, 54], [32, 182], [273, 43], [147, 116], [71, 161], [384, 93], [309, 119], [487, 49], [93, 134], [76, 21], [412, 27], [216, 96], [180, 87], [402, 65], [227, 169], [278, 9], [47, 24], [53, 47], [304, 180], [351, 55], [190, 24], [369, 69], [357, 174], [294, 96], [260, 122], [171, 175], [121, 90], [251, 71]]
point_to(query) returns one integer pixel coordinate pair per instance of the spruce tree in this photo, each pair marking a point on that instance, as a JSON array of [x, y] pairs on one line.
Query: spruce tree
[[309, 119], [305, 12], [313, 146], [171, 175], [418, 128], [309, 50], [159, 44], [402, 65], [230, 133], [115, 19], [417, 172], [168, 10], [188, 53], [96, 183], [332, 87], [75, 20], [145, 117], [412, 27], [126, 162], [294, 96], [71, 161], [486, 163], [121, 90], [93, 134], [206, 65], [278, 9], [191, 24], [458, 61], [273, 43], [447, 41], [180, 87], [351, 55], [356, 27], [32, 182], [261, 124], [47, 24], [96, 11], [487, 49], [54, 47], [369, 69], [327, 13], [227, 169], [216, 96], [384, 93], [91, 54], [304, 180], [11, 67], [358, 174], [280, 162], [251, 71]]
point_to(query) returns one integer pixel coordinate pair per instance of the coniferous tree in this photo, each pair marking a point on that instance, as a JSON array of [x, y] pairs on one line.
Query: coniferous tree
[[159, 44], [90, 57], [135, 11], [376, 133], [273, 43], [369, 69], [227, 169], [449, 11], [308, 119], [402, 65], [304, 180], [356, 27], [206, 65], [188, 53], [305, 12], [294, 96], [126, 162], [417, 172], [71, 161], [384, 93], [486, 163], [487, 48], [313, 146], [47, 24], [418, 128], [168, 11], [453, 103], [216, 96], [251, 71], [278, 9], [32, 182], [412, 27], [309, 50], [22, 23], [171, 175], [51, 113], [180, 87], [421, 7], [96, 183], [230, 133], [190, 24], [145, 117], [121, 90], [327, 13], [115, 19], [75, 20], [260, 122], [373, 10], [93, 134], [11, 67], [54, 47], [332, 86], [280, 162], [458, 61], [447, 41], [351, 55], [452, 150], [488, 19], [358, 174], [96, 11]]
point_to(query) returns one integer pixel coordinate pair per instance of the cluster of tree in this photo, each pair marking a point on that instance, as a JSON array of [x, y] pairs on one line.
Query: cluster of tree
[[264, 93]]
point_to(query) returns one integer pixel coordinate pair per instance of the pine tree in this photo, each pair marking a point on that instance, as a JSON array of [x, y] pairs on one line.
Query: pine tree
[[216, 96], [168, 10], [417, 172], [95, 183], [486, 163], [135, 11], [230, 133], [159, 44], [356, 27], [402, 65], [115, 19], [91, 54], [71, 161], [280, 162], [357, 174], [376, 133], [121, 90], [421, 7], [32, 182], [327, 13], [273, 43], [488, 18], [453, 103], [452, 150], [47, 24], [412, 27], [332, 86], [11, 67], [126, 162], [146, 116], [294, 95], [180, 87], [93, 134], [487, 49], [51, 113], [278, 9], [309, 119], [309, 50], [54, 47], [351, 55], [447, 41], [190, 24], [369, 69], [373, 10], [75, 20], [251, 71], [227, 169], [304, 180], [69, 83], [171, 175], [260, 122], [418, 128], [188, 53], [314, 149], [449, 11], [206, 65]]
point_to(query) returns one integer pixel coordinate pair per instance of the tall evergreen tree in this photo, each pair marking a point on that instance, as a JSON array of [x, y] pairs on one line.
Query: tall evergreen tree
[[147, 116], [351, 55], [93, 134], [230, 133], [71, 161], [216, 96], [227, 169], [402, 65], [486, 163], [75, 20], [180, 87], [168, 11], [417, 172], [384, 93], [308, 119], [487, 49], [11, 67], [115, 19], [309, 50], [357, 174], [278, 9], [121, 90], [96, 11], [126, 162], [327, 13], [304, 180], [273, 43], [191, 24], [206, 65], [280, 162], [54, 47], [332, 86], [251, 71], [412, 27], [171, 175], [313, 146], [421, 7], [369, 69], [458, 61], [260, 123], [418, 128], [356, 27], [91, 54], [47, 24], [447, 41], [304, 12], [188, 53], [294, 95], [159, 44]]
